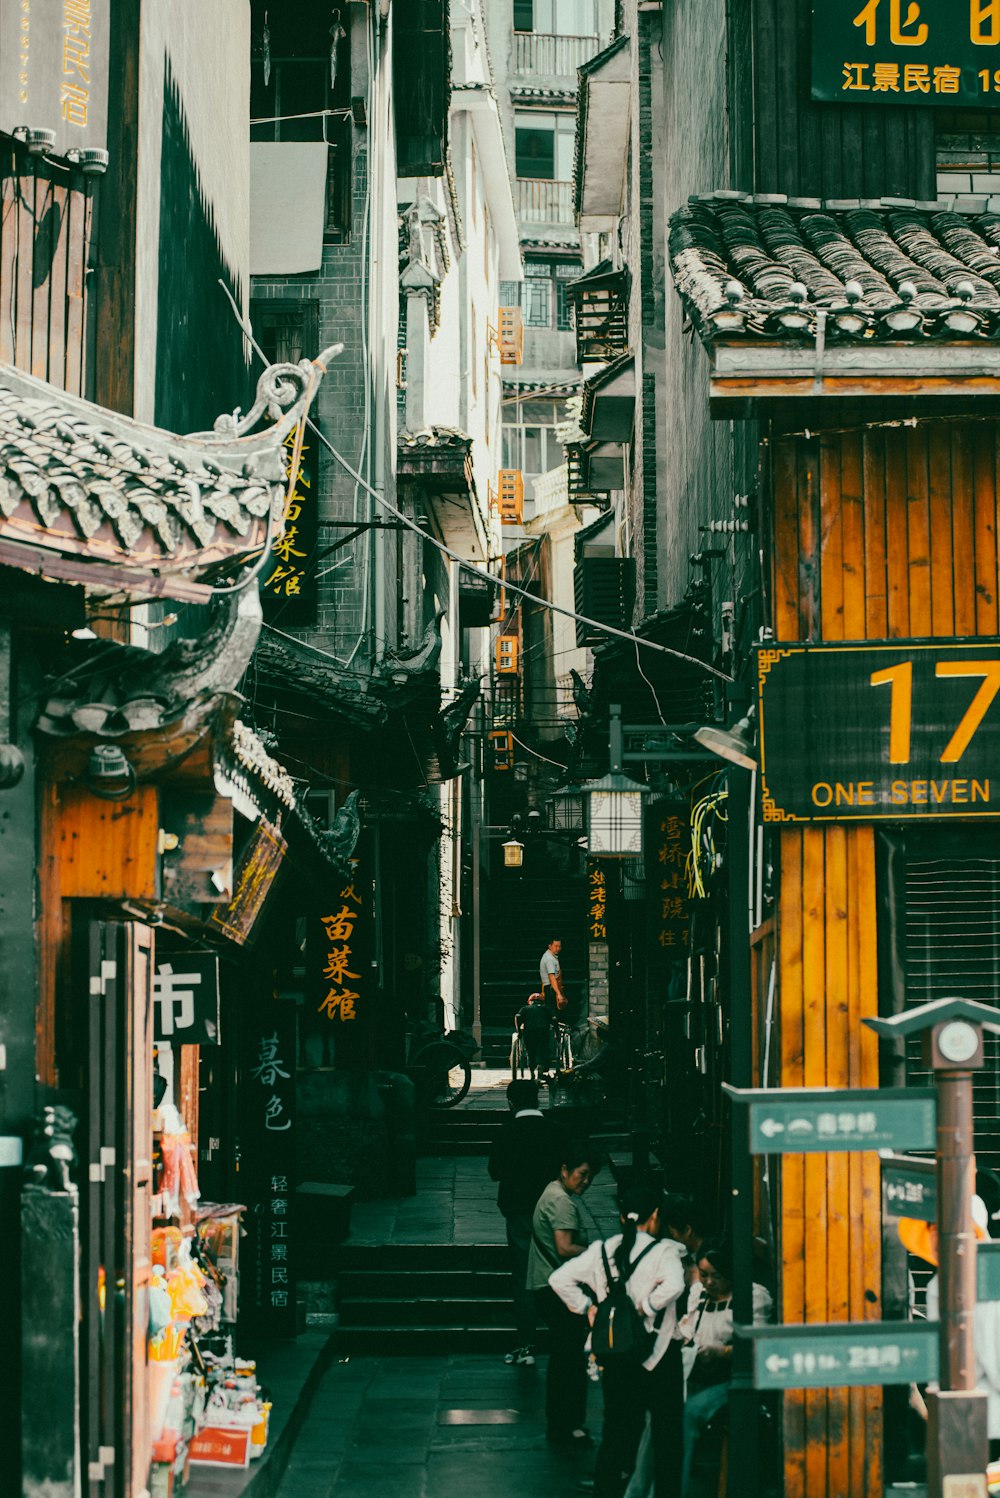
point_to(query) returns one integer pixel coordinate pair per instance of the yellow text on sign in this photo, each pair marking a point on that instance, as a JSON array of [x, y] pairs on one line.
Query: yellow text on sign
[[900, 678]]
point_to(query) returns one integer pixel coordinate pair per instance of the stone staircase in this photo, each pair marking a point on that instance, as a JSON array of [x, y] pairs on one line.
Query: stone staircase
[[424, 1298]]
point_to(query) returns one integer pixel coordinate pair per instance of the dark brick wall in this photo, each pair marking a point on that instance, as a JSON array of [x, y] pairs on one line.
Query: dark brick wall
[[340, 291]]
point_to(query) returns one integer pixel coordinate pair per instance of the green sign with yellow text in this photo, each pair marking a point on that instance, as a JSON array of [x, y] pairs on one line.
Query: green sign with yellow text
[[906, 52], [894, 731]]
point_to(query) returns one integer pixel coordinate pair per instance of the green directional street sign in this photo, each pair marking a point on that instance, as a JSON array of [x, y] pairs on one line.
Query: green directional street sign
[[829, 1356], [909, 1187], [793, 1120], [988, 1271]]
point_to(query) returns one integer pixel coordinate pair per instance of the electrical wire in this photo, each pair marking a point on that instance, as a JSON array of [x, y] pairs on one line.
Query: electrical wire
[[607, 629], [528, 750]]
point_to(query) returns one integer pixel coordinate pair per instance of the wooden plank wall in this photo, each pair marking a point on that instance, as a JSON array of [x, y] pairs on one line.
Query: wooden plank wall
[[827, 150], [45, 234], [882, 534]]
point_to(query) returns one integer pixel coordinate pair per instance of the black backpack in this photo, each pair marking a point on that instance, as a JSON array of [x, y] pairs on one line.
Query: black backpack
[[619, 1337]]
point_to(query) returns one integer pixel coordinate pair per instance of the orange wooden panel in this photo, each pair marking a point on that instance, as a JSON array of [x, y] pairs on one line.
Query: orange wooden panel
[[23, 272], [918, 532], [984, 519], [939, 489], [962, 532], [107, 849], [76, 288], [815, 1166], [853, 537], [786, 543], [876, 580], [41, 278], [896, 550], [837, 968], [55, 355], [793, 1289], [809, 540], [831, 540]]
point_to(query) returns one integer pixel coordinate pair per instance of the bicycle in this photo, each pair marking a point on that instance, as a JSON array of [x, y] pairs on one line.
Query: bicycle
[[441, 1064], [564, 1048]]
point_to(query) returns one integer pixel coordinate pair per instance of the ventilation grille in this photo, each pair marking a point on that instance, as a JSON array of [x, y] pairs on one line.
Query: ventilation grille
[[952, 943]]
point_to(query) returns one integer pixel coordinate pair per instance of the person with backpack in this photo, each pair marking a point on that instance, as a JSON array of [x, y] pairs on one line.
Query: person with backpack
[[637, 1279]]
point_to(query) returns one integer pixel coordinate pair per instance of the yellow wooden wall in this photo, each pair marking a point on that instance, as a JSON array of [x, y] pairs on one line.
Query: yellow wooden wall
[[878, 534]]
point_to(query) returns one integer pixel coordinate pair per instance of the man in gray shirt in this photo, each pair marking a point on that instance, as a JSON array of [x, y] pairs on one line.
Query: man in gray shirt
[[550, 973]]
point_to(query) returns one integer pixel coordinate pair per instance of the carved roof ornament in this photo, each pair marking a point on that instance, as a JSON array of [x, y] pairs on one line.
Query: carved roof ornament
[[90, 496]]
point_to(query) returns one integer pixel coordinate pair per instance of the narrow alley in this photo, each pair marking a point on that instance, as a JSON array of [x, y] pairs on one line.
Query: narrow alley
[[418, 1402]]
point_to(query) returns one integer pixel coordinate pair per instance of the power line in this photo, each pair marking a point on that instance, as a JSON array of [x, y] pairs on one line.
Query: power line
[[480, 572]]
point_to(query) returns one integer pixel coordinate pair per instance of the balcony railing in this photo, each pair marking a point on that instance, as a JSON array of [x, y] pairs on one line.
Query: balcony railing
[[541, 201], [538, 55]]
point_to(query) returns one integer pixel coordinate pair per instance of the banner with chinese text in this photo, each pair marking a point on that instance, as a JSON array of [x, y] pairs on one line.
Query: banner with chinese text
[[54, 70], [288, 586], [667, 843], [906, 51], [267, 1167]]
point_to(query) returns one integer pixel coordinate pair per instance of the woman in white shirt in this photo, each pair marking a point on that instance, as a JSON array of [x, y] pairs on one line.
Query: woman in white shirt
[[707, 1332], [656, 1384]]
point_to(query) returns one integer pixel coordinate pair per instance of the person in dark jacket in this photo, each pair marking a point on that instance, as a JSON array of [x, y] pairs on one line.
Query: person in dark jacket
[[524, 1159], [534, 1023]]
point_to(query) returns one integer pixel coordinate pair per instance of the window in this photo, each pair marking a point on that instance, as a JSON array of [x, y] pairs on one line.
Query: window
[[556, 17], [543, 144], [529, 438], [542, 293]]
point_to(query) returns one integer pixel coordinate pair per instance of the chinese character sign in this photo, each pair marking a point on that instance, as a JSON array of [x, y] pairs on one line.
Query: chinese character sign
[[54, 70], [339, 1002], [597, 898], [288, 586], [906, 51], [268, 1105], [186, 999], [668, 841]]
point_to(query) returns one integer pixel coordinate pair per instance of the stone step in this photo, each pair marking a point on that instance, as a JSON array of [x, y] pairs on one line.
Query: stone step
[[373, 1341], [394, 1311], [412, 1257], [428, 1284]]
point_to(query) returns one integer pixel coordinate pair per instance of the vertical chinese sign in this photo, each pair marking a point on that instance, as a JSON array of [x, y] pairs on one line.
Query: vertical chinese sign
[[269, 1162], [668, 839], [54, 60], [288, 590], [597, 897], [340, 960]]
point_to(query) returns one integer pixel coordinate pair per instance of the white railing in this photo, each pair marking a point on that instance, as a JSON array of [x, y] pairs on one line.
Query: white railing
[[539, 55], [542, 201], [550, 491]]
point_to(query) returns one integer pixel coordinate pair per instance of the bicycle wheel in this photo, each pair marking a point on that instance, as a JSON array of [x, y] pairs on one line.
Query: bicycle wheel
[[446, 1074]]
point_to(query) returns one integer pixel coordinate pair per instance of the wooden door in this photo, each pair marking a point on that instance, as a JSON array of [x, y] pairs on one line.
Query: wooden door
[[116, 1257]]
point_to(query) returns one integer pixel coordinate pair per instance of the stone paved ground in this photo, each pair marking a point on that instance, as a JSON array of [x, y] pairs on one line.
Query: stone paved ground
[[385, 1428]]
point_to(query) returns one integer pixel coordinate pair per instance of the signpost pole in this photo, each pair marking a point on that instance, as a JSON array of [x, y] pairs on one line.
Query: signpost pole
[[957, 1442]]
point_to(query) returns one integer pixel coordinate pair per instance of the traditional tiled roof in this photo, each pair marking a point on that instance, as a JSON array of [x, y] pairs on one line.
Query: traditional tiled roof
[[129, 505], [888, 269]]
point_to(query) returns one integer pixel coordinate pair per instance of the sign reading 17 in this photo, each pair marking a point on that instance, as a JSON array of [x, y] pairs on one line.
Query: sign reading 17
[[900, 679], [907, 30]]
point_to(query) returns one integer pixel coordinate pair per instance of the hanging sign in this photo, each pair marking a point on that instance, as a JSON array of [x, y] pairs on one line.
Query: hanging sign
[[906, 52], [186, 999], [667, 843], [901, 730], [54, 70], [288, 589], [835, 1354]]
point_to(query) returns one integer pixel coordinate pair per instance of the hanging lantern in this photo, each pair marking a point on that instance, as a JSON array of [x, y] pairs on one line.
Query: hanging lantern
[[513, 853], [615, 805]]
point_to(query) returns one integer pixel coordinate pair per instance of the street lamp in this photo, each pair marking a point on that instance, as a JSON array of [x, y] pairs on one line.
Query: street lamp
[[615, 804], [735, 744]]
